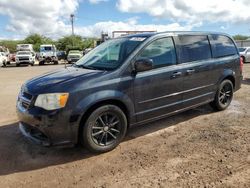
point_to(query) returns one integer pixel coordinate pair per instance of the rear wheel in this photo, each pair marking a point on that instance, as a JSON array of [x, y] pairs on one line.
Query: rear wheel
[[223, 96], [104, 129]]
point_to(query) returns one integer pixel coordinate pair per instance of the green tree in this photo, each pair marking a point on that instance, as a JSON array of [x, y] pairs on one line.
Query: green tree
[[69, 43], [37, 40], [10, 44], [240, 37]]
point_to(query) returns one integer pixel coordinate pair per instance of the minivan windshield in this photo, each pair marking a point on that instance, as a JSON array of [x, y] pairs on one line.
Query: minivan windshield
[[242, 49], [110, 54]]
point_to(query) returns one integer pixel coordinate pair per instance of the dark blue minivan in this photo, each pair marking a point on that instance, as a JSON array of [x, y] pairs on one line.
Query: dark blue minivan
[[126, 81]]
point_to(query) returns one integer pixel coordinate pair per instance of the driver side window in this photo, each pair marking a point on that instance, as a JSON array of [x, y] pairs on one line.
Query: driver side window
[[161, 51]]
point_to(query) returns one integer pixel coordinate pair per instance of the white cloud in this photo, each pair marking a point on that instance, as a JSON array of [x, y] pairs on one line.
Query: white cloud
[[97, 1], [46, 17], [234, 11], [131, 25]]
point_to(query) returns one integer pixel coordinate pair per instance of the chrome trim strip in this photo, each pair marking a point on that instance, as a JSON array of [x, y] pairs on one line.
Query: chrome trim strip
[[172, 104], [174, 94], [24, 99], [171, 113]]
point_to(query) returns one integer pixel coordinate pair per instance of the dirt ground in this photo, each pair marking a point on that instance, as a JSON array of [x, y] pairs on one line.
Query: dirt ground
[[198, 148]]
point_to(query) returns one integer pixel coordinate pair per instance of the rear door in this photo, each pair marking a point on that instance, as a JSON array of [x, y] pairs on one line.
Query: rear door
[[157, 91], [199, 70]]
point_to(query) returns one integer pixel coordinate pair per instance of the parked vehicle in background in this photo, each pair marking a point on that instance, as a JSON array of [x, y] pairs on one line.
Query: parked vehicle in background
[[12, 57], [61, 55], [87, 50], [127, 81], [25, 57], [74, 56], [48, 54], [24, 47], [3, 59], [245, 54]]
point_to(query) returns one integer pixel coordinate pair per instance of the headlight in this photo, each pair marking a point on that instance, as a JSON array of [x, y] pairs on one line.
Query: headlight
[[52, 101]]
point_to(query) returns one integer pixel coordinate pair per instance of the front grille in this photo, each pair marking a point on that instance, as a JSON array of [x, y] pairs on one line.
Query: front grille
[[25, 100], [23, 59], [74, 57], [27, 95]]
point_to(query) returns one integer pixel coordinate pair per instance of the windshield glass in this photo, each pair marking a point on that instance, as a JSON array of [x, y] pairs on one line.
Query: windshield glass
[[46, 48], [242, 49], [23, 53], [110, 54], [74, 52]]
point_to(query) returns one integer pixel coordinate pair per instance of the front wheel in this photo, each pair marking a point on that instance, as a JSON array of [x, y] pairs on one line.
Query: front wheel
[[104, 129], [224, 96]]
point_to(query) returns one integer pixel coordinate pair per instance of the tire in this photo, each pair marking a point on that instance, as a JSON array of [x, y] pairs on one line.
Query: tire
[[17, 65], [32, 64], [55, 62], [4, 64], [41, 62], [104, 129], [223, 96]]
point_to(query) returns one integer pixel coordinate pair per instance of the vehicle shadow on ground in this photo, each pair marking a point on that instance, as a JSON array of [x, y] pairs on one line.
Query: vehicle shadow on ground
[[17, 154], [246, 81]]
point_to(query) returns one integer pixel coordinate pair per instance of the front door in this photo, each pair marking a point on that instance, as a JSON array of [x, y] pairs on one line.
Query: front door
[[157, 91]]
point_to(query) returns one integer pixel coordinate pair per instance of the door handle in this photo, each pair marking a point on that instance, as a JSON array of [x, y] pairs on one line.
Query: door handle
[[190, 71], [176, 74]]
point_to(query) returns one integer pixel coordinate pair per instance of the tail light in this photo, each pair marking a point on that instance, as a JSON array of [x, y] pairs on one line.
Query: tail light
[[241, 64]]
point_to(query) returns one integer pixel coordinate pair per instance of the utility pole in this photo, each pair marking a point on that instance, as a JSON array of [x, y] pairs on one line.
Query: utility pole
[[72, 22]]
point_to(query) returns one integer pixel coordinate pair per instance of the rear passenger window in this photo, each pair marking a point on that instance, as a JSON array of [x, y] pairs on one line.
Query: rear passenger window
[[161, 51], [222, 46], [193, 48]]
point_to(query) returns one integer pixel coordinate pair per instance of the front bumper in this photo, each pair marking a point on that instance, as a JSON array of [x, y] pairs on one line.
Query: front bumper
[[73, 60], [24, 61], [48, 59], [33, 134], [47, 128]]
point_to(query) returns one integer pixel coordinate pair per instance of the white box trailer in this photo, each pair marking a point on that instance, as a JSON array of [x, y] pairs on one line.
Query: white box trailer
[[24, 47]]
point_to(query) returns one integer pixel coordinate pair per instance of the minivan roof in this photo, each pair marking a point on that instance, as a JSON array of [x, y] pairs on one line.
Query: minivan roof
[[149, 34]]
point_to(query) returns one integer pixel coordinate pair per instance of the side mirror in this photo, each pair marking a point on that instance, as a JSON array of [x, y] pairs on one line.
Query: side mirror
[[143, 65]]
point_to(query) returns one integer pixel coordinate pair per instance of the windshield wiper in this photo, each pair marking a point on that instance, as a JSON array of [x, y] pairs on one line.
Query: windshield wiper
[[84, 67]]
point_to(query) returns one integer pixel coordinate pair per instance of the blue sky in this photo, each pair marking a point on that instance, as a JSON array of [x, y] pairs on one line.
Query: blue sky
[[51, 17]]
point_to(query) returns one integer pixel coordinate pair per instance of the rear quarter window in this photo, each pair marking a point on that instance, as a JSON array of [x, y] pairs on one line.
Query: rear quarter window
[[222, 46], [193, 48]]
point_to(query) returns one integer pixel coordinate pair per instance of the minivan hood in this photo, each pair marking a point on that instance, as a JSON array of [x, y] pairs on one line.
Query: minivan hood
[[41, 83]]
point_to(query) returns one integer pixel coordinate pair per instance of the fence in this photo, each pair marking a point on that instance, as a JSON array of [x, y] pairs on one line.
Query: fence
[[243, 43]]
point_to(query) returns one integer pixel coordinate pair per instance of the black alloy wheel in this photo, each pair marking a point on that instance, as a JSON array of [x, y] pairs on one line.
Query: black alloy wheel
[[223, 96], [104, 129]]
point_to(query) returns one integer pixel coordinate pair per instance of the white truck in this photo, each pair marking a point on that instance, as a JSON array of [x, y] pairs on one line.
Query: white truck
[[25, 57], [74, 56], [24, 47], [48, 54]]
